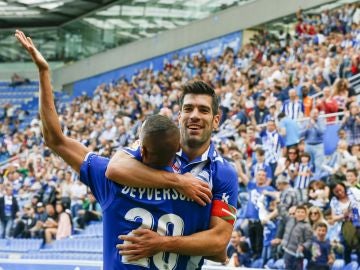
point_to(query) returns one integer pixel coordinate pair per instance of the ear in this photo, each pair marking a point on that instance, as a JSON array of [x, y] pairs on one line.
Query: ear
[[143, 152], [216, 121]]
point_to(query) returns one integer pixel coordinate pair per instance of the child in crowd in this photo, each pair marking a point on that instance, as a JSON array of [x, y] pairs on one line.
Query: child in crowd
[[322, 256], [243, 255], [295, 239], [303, 179]]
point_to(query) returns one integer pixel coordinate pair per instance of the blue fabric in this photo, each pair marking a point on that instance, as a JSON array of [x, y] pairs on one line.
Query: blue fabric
[[125, 209], [292, 131]]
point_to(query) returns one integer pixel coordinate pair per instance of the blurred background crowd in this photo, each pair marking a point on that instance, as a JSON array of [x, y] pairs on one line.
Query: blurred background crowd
[[280, 94]]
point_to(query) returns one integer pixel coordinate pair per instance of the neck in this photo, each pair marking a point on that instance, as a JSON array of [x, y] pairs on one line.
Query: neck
[[192, 152]]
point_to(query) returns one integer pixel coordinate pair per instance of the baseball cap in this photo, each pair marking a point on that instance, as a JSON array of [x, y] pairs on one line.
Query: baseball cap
[[282, 179], [39, 204]]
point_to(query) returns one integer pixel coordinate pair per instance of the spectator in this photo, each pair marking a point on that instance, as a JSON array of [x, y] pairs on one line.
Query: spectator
[[62, 227], [319, 194], [288, 166], [351, 124], [236, 238], [315, 216], [252, 212], [8, 211], [289, 130], [341, 204], [260, 164], [260, 111], [296, 239], [322, 256], [327, 104], [293, 108], [313, 134], [91, 211], [273, 144], [303, 177]]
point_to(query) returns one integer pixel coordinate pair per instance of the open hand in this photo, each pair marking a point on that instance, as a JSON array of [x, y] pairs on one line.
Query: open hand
[[194, 188], [36, 56]]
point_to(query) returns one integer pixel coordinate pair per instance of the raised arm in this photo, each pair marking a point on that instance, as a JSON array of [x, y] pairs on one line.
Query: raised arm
[[126, 170], [72, 151]]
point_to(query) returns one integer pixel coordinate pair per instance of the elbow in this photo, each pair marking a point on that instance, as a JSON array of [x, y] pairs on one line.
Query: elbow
[[220, 245]]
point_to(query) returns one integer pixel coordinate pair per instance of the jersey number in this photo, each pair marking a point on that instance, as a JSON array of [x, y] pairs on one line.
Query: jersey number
[[168, 224]]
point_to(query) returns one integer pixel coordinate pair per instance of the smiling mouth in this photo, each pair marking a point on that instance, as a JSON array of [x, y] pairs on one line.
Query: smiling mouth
[[194, 127]]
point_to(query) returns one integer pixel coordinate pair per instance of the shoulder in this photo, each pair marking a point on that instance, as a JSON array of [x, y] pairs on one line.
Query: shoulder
[[223, 166]]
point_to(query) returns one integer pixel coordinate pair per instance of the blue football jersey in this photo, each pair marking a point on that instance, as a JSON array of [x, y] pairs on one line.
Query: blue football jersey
[[165, 211]]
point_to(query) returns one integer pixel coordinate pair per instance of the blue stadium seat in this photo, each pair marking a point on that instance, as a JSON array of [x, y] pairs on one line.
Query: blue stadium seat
[[257, 263], [338, 264], [351, 266], [279, 264]]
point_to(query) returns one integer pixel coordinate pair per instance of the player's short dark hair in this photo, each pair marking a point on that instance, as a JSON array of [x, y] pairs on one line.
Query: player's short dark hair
[[158, 124], [200, 88], [163, 137]]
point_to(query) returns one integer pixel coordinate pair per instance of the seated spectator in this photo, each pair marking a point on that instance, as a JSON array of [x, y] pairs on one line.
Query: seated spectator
[[17, 80], [319, 194], [62, 227], [236, 238], [91, 211], [23, 225], [242, 256]]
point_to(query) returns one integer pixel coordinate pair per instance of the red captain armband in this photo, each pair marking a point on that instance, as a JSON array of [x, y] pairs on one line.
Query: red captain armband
[[224, 211]]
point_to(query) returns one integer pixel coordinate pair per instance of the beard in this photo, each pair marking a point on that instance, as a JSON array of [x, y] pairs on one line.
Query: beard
[[195, 141]]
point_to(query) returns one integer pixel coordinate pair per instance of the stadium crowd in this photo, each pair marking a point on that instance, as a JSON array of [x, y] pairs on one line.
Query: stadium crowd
[[294, 200]]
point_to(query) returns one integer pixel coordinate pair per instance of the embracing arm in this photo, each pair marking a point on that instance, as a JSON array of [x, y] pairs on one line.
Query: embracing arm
[[211, 243], [126, 170], [72, 151]]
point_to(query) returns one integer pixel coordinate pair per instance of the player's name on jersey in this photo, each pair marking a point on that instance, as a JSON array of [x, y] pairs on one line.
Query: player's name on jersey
[[154, 194]]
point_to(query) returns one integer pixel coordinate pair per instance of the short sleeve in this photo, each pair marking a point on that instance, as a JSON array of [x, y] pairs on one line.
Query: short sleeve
[[225, 183], [92, 174]]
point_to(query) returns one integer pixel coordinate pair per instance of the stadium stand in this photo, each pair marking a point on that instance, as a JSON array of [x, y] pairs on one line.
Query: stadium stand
[[254, 82]]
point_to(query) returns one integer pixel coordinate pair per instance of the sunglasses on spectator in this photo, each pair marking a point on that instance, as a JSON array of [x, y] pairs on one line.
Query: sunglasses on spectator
[[314, 213], [292, 153]]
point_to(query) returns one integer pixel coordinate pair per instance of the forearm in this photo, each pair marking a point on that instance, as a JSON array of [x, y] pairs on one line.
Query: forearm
[[51, 128], [121, 170], [210, 243]]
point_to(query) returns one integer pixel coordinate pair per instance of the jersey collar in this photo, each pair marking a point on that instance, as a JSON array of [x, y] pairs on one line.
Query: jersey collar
[[209, 154]]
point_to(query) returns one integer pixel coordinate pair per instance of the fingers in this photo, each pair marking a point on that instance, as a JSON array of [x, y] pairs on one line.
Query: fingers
[[30, 41], [135, 258], [199, 201], [130, 238]]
